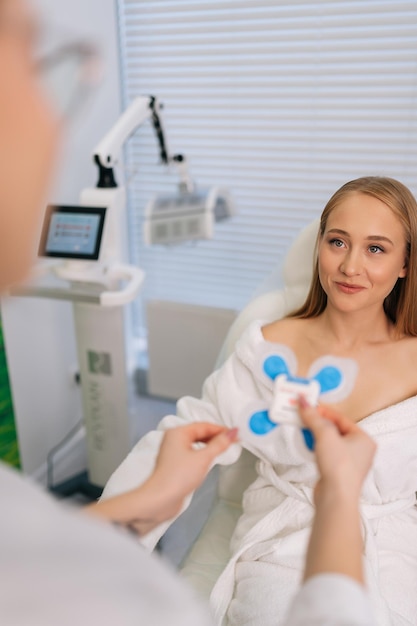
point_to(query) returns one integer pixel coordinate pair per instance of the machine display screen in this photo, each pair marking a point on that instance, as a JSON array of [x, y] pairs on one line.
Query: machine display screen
[[73, 232]]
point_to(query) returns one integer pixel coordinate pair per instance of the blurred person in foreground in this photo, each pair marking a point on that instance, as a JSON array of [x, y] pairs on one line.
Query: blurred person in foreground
[[60, 566]]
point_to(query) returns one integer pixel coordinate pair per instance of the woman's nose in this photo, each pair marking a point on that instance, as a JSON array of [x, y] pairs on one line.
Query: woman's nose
[[351, 264]]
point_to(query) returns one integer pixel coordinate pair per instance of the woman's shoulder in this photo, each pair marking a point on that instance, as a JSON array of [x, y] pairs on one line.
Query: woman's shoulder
[[259, 333], [283, 330], [407, 346]]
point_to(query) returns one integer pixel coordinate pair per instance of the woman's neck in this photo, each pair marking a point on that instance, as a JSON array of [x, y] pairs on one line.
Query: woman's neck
[[349, 330]]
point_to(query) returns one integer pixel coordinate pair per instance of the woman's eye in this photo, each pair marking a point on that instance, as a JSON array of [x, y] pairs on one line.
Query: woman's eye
[[337, 243], [375, 249]]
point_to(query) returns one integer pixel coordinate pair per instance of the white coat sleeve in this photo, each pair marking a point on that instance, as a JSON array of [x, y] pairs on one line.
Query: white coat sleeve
[[331, 600], [60, 566]]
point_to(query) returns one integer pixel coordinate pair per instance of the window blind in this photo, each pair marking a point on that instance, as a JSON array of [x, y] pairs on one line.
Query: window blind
[[280, 101]]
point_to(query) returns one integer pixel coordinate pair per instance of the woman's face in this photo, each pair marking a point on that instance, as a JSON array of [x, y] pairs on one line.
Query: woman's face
[[29, 133], [361, 254]]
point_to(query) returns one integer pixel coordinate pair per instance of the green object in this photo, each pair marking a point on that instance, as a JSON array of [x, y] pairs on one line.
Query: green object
[[9, 448]]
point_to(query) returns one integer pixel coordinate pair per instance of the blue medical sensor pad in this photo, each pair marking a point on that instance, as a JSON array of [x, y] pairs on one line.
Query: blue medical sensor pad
[[329, 378]]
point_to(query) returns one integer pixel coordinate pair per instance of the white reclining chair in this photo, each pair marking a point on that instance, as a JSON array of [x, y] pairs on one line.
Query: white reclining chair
[[210, 552]]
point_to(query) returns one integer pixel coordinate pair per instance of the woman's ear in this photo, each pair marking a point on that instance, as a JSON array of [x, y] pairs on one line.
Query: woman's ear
[[404, 269]]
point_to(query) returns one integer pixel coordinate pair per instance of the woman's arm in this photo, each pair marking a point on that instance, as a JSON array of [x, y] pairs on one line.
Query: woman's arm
[[180, 468]]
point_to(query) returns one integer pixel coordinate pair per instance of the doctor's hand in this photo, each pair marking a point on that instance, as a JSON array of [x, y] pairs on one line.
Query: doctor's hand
[[344, 452], [180, 468]]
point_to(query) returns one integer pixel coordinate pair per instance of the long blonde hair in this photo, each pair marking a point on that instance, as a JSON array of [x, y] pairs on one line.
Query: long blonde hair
[[400, 305]]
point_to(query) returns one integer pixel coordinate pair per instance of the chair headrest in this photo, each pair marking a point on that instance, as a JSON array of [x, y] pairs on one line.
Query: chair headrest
[[276, 303], [299, 262]]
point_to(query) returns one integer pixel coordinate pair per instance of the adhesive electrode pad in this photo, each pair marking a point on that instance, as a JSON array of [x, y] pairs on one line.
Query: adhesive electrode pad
[[329, 378]]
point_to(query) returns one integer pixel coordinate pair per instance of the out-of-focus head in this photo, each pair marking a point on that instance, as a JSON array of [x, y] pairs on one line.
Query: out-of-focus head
[[28, 142], [400, 305]]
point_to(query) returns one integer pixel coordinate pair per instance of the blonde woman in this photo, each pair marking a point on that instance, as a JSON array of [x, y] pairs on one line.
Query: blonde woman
[[361, 307]]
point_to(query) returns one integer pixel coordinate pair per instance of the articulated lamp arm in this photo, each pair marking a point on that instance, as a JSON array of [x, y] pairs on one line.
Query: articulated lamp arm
[[107, 152]]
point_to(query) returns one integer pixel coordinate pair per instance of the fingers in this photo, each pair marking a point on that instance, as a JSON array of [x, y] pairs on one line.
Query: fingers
[[220, 443], [310, 415], [319, 417], [344, 424], [217, 438], [201, 431]]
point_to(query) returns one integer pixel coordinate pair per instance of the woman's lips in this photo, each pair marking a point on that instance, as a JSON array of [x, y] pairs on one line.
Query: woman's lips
[[348, 288]]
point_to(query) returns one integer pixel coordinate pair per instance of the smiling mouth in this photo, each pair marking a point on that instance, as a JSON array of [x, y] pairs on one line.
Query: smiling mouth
[[348, 288]]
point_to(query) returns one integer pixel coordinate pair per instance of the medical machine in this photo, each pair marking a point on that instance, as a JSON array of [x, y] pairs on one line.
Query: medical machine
[[99, 287], [187, 214], [84, 250]]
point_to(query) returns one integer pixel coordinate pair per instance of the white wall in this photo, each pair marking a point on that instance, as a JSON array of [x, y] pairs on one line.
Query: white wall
[[39, 333]]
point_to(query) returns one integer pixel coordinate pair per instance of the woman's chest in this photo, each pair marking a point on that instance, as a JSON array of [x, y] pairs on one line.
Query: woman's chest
[[382, 374], [385, 376]]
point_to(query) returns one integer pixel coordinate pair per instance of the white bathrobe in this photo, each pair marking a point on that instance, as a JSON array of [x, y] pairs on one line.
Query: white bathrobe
[[271, 537]]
